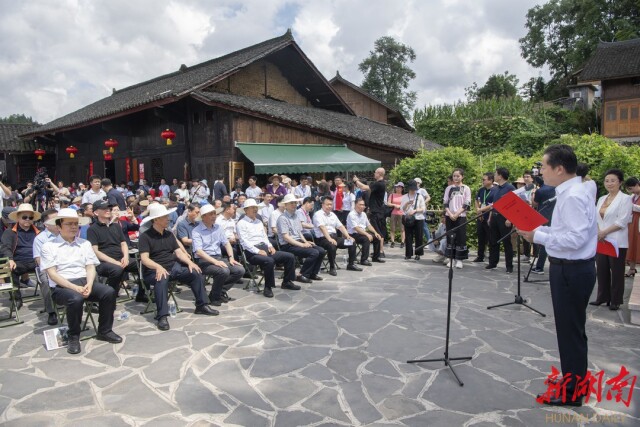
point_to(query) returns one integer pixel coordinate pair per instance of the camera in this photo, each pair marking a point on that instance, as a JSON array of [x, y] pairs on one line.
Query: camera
[[39, 180]]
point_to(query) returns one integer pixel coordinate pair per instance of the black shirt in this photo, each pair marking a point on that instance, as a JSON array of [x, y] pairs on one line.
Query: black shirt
[[543, 194], [116, 198], [161, 247], [376, 196], [485, 196], [107, 238]]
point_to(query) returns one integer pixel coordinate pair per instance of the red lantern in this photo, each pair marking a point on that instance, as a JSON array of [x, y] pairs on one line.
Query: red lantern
[[108, 156], [111, 144], [39, 152], [168, 134], [71, 150]]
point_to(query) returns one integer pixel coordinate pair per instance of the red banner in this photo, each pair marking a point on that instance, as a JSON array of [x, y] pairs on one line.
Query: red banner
[[141, 170], [127, 169], [90, 167]]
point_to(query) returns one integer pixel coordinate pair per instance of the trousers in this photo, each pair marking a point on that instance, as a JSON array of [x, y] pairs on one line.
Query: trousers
[[104, 295]]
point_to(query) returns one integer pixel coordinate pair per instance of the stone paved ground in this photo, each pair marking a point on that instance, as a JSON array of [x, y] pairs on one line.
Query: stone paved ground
[[331, 354]]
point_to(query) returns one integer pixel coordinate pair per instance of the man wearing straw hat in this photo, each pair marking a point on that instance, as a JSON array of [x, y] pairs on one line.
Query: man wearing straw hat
[[292, 240], [259, 251], [70, 264], [17, 244], [164, 260], [208, 239]]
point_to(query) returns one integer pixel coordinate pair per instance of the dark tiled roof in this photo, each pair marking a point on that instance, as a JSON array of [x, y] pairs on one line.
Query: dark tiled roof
[[10, 142], [174, 85], [339, 124], [339, 78], [613, 61]]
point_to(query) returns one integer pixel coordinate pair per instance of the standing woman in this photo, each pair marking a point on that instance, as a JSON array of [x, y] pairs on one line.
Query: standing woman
[[614, 214], [413, 207], [457, 200], [633, 254], [348, 200], [395, 200]]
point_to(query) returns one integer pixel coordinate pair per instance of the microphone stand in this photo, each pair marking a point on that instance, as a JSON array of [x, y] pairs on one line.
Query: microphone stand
[[446, 359]]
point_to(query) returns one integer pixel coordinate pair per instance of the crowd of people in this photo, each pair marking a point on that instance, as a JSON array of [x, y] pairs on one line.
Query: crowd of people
[[70, 236]]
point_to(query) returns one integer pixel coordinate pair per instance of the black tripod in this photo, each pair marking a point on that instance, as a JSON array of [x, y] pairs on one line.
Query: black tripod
[[446, 359], [518, 298]]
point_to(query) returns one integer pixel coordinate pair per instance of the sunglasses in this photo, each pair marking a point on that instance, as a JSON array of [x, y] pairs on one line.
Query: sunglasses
[[27, 218]]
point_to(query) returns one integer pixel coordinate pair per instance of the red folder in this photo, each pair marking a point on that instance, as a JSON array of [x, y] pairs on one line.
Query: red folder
[[518, 212], [605, 247]]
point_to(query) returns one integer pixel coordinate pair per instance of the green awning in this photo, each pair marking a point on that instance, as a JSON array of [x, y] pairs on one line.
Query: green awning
[[300, 158]]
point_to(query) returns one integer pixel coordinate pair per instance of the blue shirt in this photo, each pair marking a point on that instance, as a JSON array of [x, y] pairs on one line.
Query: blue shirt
[[208, 239], [185, 229], [485, 197]]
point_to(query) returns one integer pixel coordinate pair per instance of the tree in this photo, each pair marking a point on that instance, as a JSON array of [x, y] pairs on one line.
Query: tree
[[387, 75], [563, 34], [17, 118], [497, 86]]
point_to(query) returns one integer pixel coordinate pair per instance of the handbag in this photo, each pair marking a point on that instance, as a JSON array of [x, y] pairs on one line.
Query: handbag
[[410, 221]]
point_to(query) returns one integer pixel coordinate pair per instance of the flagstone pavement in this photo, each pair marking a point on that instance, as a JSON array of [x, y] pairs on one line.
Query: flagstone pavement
[[332, 354]]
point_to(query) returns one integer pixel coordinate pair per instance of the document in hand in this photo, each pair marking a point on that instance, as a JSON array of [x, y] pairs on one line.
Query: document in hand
[[519, 213]]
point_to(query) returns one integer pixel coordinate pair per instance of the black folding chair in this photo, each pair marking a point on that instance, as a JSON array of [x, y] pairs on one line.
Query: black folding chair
[[9, 288]]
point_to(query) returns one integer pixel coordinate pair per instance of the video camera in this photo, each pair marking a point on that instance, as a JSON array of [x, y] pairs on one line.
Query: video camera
[[39, 180]]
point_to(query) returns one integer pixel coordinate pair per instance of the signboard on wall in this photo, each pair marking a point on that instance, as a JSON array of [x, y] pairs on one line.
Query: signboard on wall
[[127, 169], [141, 170]]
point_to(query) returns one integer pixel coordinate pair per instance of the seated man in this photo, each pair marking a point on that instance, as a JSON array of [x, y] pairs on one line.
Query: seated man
[[186, 226], [265, 209], [272, 229], [70, 265], [326, 224], [49, 234], [292, 240], [110, 246], [227, 221], [17, 244], [208, 238], [304, 215], [357, 225], [164, 260], [259, 251]]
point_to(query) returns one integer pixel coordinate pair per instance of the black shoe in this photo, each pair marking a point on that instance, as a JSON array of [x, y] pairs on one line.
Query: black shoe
[[392, 245], [53, 319], [216, 302], [267, 292], [226, 297], [407, 258], [478, 259], [163, 323], [381, 255], [353, 267], [614, 307], [509, 270], [379, 259], [74, 345], [597, 303], [316, 277], [333, 272], [366, 262], [557, 401], [301, 278], [417, 258], [401, 245], [536, 270], [206, 310], [142, 298], [110, 336], [490, 267], [290, 285]]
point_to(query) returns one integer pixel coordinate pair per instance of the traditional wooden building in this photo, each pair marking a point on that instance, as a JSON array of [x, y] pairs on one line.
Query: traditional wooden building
[[269, 93], [18, 162], [616, 67]]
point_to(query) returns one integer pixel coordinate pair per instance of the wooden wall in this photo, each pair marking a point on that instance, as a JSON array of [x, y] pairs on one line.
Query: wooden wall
[[621, 112], [362, 105]]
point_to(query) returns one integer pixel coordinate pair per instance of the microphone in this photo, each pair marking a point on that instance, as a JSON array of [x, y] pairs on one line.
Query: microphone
[[551, 200]]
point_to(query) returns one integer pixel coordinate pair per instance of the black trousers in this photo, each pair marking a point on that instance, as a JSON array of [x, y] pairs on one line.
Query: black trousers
[[413, 234], [312, 258], [379, 223], [364, 242], [459, 237], [498, 230], [180, 273], [542, 256], [268, 265], [611, 277], [571, 287], [223, 277], [482, 229], [21, 268], [104, 295], [115, 274], [332, 249]]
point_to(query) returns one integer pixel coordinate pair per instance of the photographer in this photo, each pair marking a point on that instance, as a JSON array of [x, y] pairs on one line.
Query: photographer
[[41, 189]]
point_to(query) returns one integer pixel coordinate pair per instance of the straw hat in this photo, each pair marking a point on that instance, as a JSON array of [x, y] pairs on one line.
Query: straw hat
[[289, 198], [286, 180], [208, 208], [520, 181], [418, 180], [157, 210], [272, 177], [250, 203], [24, 207], [69, 214]]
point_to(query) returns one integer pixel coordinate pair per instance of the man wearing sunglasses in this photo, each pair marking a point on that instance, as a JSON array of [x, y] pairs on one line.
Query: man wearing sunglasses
[[17, 244]]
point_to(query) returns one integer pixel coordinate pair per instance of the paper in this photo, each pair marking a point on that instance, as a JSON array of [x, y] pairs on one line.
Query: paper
[[348, 242], [608, 247], [5, 286], [56, 338], [518, 212]]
